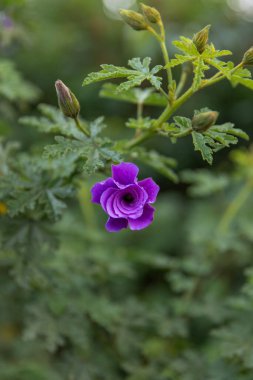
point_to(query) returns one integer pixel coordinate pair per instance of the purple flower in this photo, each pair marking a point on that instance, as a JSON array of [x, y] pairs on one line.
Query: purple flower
[[125, 199]]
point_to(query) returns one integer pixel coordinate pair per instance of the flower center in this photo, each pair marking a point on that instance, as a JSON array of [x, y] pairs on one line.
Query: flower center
[[128, 198]]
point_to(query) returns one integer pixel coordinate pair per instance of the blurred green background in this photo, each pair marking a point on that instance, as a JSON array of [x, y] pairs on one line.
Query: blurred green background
[[165, 303]]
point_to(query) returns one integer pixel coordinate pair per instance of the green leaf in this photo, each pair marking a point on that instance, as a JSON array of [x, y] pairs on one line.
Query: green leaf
[[180, 59], [187, 46], [199, 72], [211, 52], [134, 95], [142, 123], [141, 72], [200, 143], [216, 138], [52, 121], [182, 123], [12, 85], [203, 183], [242, 76], [224, 67], [160, 163], [90, 155]]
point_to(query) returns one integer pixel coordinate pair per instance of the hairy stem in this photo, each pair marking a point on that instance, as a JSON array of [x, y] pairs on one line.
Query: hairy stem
[[183, 79], [81, 127], [162, 42]]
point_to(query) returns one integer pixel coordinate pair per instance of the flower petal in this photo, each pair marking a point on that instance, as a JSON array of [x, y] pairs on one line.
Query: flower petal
[[151, 188], [124, 173], [98, 189], [144, 220], [107, 202], [115, 225]]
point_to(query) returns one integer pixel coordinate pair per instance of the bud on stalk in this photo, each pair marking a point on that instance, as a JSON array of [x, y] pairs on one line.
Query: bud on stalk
[[202, 121], [200, 39], [151, 14], [68, 103], [248, 57], [134, 19]]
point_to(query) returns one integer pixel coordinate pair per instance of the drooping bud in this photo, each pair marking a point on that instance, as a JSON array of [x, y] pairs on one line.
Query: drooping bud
[[151, 14], [204, 120], [68, 103], [248, 57], [200, 39], [134, 19]]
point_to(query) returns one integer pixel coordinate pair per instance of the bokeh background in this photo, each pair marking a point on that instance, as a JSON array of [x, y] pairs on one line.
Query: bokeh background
[[166, 303]]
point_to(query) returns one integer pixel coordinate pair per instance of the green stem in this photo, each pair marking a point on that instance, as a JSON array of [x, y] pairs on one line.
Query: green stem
[[167, 113], [216, 78], [182, 134], [162, 42], [139, 110], [164, 93], [167, 62], [235, 206], [182, 81], [81, 127]]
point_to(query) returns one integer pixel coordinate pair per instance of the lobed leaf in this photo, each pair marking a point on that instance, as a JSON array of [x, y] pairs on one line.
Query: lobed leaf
[[134, 95], [141, 72]]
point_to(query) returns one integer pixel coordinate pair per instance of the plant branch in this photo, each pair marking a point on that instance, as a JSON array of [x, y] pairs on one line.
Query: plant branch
[[170, 109]]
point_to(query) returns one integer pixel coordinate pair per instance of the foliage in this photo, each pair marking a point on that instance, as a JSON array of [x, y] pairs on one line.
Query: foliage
[[170, 303]]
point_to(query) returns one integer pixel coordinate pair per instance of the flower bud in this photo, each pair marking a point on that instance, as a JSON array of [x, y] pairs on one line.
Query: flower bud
[[68, 103], [248, 57], [134, 19], [151, 14], [200, 39], [204, 120]]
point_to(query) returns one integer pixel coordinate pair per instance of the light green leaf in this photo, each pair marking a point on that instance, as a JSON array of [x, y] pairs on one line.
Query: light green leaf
[[199, 72], [160, 163], [141, 123], [134, 95], [53, 121], [242, 76], [187, 46], [201, 144], [141, 72]]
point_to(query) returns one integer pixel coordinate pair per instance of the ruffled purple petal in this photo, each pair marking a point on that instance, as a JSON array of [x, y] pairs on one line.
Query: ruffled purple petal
[[98, 189], [115, 225], [107, 202], [143, 221], [125, 173], [151, 189]]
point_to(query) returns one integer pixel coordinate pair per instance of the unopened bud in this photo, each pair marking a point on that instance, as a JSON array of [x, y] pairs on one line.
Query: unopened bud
[[248, 57], [134, 19], [68, 103], [151, 14], [204, 120], [200, 39]]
